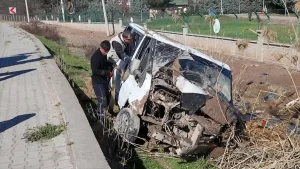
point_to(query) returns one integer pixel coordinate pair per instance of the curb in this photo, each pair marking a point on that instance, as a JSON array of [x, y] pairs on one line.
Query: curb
[[86, 150]]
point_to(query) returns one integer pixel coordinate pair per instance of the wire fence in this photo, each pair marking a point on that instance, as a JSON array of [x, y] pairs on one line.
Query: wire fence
[[96, 17], [277, 27]]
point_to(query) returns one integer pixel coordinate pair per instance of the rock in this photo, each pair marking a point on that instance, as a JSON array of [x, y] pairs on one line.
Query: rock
[[294, 105], [249, 82], [274, 111], [269, 96], [264, 83], [295, 121], [272, 103], [263, 74], [217, 152], [260, 109], [247, 106], [244, 86], [249, 116], [271, 122]]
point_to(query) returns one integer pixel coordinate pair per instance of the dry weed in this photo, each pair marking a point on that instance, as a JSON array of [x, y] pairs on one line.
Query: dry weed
[[88, 90], [269, 34], [37, 28], [279, 56], [176, 65], [281, 154], [296, 46], [242, 43], [209, 19], [297, 6], [175, 17], [273, 146], [263, 146], [294, 59]]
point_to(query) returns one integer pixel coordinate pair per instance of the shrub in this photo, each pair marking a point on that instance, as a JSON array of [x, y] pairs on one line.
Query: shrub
[[45, 132], [37, 28]]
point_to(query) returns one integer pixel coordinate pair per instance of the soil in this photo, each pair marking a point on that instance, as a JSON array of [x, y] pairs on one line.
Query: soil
[[259, 80], [81, 41]]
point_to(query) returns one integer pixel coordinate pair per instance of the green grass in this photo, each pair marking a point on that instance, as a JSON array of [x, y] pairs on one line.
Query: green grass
[[142, 160], [181, 164], [198, 25], [45, 132], [76, 66], [79, 67]]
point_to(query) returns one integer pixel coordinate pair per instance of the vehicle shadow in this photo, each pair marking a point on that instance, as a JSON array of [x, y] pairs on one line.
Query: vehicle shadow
[[4, 125]]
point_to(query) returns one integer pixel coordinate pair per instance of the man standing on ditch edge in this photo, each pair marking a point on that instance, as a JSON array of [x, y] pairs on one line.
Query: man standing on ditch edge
[[101, 73], [118, 52]]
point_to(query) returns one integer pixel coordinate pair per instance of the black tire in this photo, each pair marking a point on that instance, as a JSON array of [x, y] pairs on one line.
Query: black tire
[[127, 125]]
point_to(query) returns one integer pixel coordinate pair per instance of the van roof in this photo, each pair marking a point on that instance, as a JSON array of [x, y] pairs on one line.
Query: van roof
[[172, 42]]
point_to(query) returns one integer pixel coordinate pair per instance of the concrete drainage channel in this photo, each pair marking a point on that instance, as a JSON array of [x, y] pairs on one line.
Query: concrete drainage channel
[[115, 151]]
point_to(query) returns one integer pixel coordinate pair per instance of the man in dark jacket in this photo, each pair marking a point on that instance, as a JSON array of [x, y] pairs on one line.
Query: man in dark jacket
[[101, 73]]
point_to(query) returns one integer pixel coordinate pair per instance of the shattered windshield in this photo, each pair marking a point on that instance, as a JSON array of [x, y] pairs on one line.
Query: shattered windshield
[[197, 70], [206, 74]]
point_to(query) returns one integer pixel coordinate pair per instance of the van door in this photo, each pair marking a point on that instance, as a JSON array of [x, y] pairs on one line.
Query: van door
[[135, 89], [137, 37]]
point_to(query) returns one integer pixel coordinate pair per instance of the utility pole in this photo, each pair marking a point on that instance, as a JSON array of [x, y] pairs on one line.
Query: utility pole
[[239, 6], [285, 8], [27, 11], [105, 18], [62, 10], [221, 7]]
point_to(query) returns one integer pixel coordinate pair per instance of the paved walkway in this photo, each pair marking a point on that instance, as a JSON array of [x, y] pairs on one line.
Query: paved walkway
[[27, 100], [33, 92]]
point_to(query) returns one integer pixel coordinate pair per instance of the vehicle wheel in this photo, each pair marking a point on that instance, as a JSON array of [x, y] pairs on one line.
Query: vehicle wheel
[[127, 124]]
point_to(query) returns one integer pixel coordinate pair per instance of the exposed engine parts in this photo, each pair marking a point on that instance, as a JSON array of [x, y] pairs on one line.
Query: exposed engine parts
[[171, 124]]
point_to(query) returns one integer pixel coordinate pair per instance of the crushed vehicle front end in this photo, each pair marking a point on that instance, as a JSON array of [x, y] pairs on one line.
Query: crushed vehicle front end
[[189, 105]]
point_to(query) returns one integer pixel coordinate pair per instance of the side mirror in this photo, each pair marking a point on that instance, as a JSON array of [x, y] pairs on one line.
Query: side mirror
[[137, 74], [134, 65]]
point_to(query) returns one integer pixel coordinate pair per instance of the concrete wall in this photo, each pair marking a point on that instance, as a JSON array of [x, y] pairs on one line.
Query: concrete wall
[[215, 46], [87, 26], [256, 50]]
